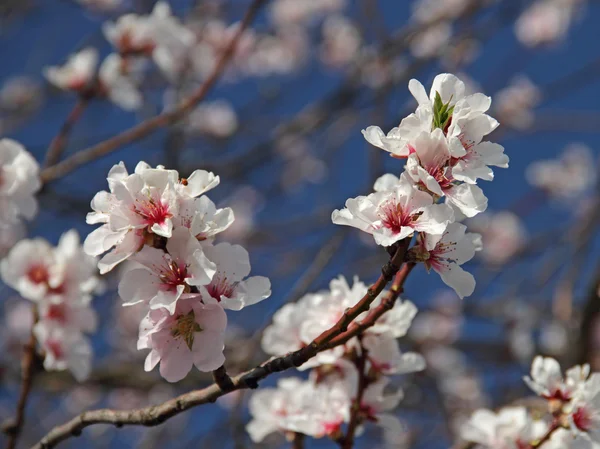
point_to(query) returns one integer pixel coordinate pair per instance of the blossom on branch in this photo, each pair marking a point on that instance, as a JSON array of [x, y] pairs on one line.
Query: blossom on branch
[[77, 74], [19, 181], [191, 336]]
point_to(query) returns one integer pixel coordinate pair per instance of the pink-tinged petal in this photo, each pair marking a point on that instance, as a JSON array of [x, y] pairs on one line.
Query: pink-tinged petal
[[207, 350], [478, 102], [211, 317], [450, 88], [391, 143], [458, 279], [492, 154], [385, 237], [166, 299], [468, 198], [254, 290], [164, 229], [130, 244], [434, 219], [151, 361], [418, 91], [199, 182], [386, 182], [232, 261], [176, 361], [470, 173], [138, 285]]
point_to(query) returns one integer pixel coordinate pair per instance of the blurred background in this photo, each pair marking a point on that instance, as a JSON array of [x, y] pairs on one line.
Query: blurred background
[[282, 130]]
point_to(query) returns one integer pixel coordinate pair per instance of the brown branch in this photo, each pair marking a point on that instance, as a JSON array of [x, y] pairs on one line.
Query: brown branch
[[147, 127], [387, 303], [27, 364], [155, 415], [58, 144], [348, 441], [298, 440], [222, 379]]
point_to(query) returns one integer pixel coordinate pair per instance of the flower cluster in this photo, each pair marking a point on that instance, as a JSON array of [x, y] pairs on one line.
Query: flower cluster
[[166, 226], [19, 181], [573, 404], [446, 155], [60, 281], [321, 405]]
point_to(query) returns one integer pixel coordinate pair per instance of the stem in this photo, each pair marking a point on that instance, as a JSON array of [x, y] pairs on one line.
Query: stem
[[58, 144], [298, 441], [222, 379], [27, 364], [544, 439], [348, 441]]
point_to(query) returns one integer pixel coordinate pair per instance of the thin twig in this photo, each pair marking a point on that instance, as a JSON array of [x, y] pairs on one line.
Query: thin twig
[[58, 144], [27, 364], [147, 127], [348, 441], [298, 441], [155, 415]]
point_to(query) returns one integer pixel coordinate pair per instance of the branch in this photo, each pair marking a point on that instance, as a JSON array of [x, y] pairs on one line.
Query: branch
[[27, 363], [155, 415], [57, 146], [298, 441], [147, 127], [348, 441]]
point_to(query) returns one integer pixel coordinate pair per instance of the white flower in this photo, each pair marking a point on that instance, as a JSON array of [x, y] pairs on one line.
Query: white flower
[[71, 314], [515, 103], [375, 404], [131, 34], [429, 166], [341, 41], [77, 73], [192, 336], [584, 411], [40, 272], [166, 276], [216, 119], [445, 253], [285, 13], [547, 380], [138, 205], [10, 234], [544, 22], [202, 218], [19, 181], [502, 234], [385, 356], [392, 215], [566, 177], [64, 349], [231, 287], [510, 428], [269, 407], [118, 84]]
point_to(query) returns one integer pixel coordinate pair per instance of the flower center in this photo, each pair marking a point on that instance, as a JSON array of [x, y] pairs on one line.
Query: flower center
[[38, 274], [57, 312], [173, 274], [582, 419], [185, 327], [55, 348], [221, 287], [394, 218], [152, 211]]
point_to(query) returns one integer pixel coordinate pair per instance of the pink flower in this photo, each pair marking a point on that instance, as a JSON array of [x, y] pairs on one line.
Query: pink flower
[[166, 276], [192, 336], [231, 287], [395, 211]]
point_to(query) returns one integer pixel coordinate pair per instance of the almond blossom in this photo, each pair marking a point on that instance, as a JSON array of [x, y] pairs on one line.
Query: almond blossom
[[502, 234], [117, 82], [77, 73], [375, 404], [510, 428], [192, 336], [394, 214], [139, 205], [429, 166], [515, 103], [166, 276], [64, 349], [445, 253], [547, 380], [202, 218], [584, 411], [19, 181], [231, 287], [40, 272]]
